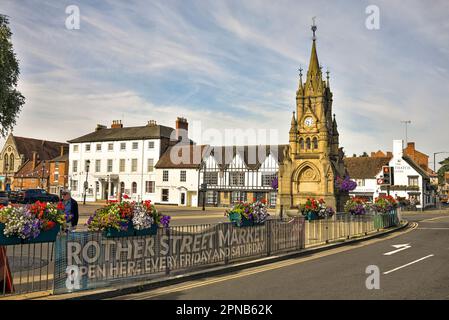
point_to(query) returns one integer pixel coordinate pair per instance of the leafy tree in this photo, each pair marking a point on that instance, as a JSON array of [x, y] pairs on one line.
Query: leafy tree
[[11, 100], [364, 155], [444, 168]]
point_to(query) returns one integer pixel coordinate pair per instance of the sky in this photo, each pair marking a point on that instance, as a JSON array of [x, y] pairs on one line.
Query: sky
[[233, 65]]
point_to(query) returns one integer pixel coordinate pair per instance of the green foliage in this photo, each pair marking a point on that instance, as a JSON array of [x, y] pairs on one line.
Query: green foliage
[[444, 168], [11, 100]]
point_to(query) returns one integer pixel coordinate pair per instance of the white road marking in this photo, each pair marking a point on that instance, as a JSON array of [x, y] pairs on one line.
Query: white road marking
[[408, 264], [399, 248]]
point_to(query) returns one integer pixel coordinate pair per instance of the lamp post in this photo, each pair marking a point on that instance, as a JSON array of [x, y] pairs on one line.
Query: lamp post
[[86, 184]]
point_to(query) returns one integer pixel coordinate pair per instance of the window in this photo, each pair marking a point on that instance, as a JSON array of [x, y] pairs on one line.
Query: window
[[11, 162], [237, 178], [56, 174], [301, 143], [149, 186], [150, 144], [74, 185], [97, 187], [75, 166], [308, 144], [134, 165], [75, 148], [273, 196], [110, 147], [182, 177], [165, 195], [211, 197], [123, 146], [135, 145], [97, 165], [267, 179], [87, 147], [360, 182], [122, 188], [122, 165], [165, 175], [413, 181], [211, 178], [98, 148], [5, 162], [150, 165], [134, 187], [238, 196], [110, 162], [315, 143]]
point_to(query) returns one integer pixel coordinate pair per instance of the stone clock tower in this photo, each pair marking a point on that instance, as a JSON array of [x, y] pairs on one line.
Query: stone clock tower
[[313, 159]]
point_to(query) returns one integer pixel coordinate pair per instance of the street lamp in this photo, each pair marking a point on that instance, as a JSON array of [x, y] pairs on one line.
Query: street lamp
[[86, 184]]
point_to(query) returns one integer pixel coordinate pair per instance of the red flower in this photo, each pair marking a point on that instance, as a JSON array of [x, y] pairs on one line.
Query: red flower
[[60, 206], [50, 225]]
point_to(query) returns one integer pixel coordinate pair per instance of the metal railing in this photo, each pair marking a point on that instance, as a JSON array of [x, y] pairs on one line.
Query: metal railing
[[26, 268], [35, 267]]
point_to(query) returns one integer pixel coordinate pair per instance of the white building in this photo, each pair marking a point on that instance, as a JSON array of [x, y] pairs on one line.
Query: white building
[[177, 175], [410, 181], [120, 160]]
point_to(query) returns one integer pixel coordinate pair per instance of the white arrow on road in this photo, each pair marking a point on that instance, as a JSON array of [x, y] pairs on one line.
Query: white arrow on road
[[399, 247]]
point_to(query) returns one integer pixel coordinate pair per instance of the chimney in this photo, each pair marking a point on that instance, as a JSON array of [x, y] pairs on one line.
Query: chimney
[[99, 127], [182, 129], [116, 124], [62, 151], [151, 123], [411, 145], [34, 160], [398, 149]]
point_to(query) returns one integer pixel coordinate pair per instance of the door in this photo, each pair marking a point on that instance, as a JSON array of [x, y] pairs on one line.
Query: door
[[183, 198]]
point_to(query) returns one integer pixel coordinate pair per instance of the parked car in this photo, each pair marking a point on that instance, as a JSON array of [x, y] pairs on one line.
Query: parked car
[[4, 199], [33, 195], [13, 196]]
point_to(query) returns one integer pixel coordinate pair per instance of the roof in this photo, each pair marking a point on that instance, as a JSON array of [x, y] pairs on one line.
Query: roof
[[253, 156], [365, 167], [127, 133], [64, 157], [40, 171], [184, 156], [416, 166], [46, 150]]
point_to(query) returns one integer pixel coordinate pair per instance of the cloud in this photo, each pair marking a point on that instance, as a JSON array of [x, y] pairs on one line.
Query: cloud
[[232, 64]]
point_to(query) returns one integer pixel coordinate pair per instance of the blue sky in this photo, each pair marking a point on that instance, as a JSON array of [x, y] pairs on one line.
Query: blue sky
[[232, 64]]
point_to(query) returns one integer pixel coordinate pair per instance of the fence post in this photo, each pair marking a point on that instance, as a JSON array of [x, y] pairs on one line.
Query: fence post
[[268, 232], [167, 268]]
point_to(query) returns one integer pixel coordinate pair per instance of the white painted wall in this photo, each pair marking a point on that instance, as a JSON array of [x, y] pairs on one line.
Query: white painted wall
[[142, 153], [176, 187]]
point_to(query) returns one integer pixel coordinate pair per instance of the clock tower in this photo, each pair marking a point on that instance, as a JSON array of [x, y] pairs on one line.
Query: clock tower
[[314, 159]]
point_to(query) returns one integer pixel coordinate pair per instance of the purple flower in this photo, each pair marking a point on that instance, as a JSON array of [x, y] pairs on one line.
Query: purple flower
[[165, 221], [274, 183]]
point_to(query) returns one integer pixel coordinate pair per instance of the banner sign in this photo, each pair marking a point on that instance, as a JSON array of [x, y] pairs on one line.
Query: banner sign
[[86, 260]]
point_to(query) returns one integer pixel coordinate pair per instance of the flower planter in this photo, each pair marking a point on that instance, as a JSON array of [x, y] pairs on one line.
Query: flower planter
[[7, 241], [151, 231], [312, 216], [45, 236], [114, 233]]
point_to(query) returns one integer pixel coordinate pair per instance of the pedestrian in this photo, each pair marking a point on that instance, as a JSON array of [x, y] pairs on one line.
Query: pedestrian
[[70, 208]]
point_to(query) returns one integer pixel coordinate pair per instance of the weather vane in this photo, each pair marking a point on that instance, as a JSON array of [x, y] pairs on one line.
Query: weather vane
[[300, 71], [314, 28]]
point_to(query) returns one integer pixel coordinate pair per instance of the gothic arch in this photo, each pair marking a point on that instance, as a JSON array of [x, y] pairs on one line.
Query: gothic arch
[[306, 178]]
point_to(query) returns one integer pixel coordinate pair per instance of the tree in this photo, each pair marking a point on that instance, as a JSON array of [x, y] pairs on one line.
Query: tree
[[11, 100], [444, 168], [364, 155]]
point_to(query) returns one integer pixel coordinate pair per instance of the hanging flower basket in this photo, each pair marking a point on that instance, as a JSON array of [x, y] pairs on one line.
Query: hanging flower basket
[[7, 241], [248, 214]]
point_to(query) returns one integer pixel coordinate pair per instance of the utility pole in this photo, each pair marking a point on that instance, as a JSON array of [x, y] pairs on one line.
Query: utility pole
[[406, 122]]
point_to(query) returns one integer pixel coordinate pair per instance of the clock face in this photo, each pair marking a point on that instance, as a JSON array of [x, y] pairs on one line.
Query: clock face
[[308, 121]]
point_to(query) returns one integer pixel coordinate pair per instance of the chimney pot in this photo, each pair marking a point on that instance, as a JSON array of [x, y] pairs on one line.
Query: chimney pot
[[116, 124]]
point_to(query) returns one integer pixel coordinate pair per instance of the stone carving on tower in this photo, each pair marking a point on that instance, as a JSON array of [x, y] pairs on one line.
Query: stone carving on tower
[[314, 156]]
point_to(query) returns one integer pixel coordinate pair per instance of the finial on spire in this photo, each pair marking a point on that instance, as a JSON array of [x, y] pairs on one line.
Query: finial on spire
[[314, 28], [300, 73], [327, 76]]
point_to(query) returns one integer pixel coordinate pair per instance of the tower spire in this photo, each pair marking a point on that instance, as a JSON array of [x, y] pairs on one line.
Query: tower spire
[[314, 72]]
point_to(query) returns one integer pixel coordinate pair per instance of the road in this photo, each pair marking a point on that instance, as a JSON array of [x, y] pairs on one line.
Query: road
[[420, 271]]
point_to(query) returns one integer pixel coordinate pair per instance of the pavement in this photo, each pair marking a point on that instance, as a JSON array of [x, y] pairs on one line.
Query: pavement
[[417, 271]]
